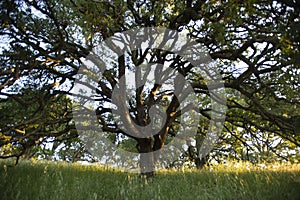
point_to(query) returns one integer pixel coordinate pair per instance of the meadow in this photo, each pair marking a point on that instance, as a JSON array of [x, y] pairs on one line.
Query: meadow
[[31, 180]]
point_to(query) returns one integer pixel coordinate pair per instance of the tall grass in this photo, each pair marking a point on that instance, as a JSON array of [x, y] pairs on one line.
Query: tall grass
[[57, 181]]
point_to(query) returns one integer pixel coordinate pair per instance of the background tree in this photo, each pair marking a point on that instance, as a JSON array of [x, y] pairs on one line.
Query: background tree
[[254, 43]]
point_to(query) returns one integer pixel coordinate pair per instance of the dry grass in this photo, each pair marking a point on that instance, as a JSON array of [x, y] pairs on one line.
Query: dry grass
[[234, 180]]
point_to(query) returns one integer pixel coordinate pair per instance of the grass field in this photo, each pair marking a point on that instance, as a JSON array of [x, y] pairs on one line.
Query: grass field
[[62, 181]]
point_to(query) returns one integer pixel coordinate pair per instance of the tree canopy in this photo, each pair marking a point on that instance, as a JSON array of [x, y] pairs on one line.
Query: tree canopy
[[254, 44]]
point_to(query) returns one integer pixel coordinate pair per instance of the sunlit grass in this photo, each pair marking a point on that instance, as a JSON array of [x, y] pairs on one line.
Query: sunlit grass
[[235, 180]]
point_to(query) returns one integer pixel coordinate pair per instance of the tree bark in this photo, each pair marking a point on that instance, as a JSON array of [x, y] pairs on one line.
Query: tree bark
[[200, 162], [147, 165]]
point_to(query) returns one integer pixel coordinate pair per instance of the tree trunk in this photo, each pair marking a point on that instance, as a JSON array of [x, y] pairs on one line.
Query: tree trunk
[[147, 165], [158, 144], [201, 162]]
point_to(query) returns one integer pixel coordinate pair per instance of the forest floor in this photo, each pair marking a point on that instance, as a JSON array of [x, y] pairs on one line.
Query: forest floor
[[235, 180]]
